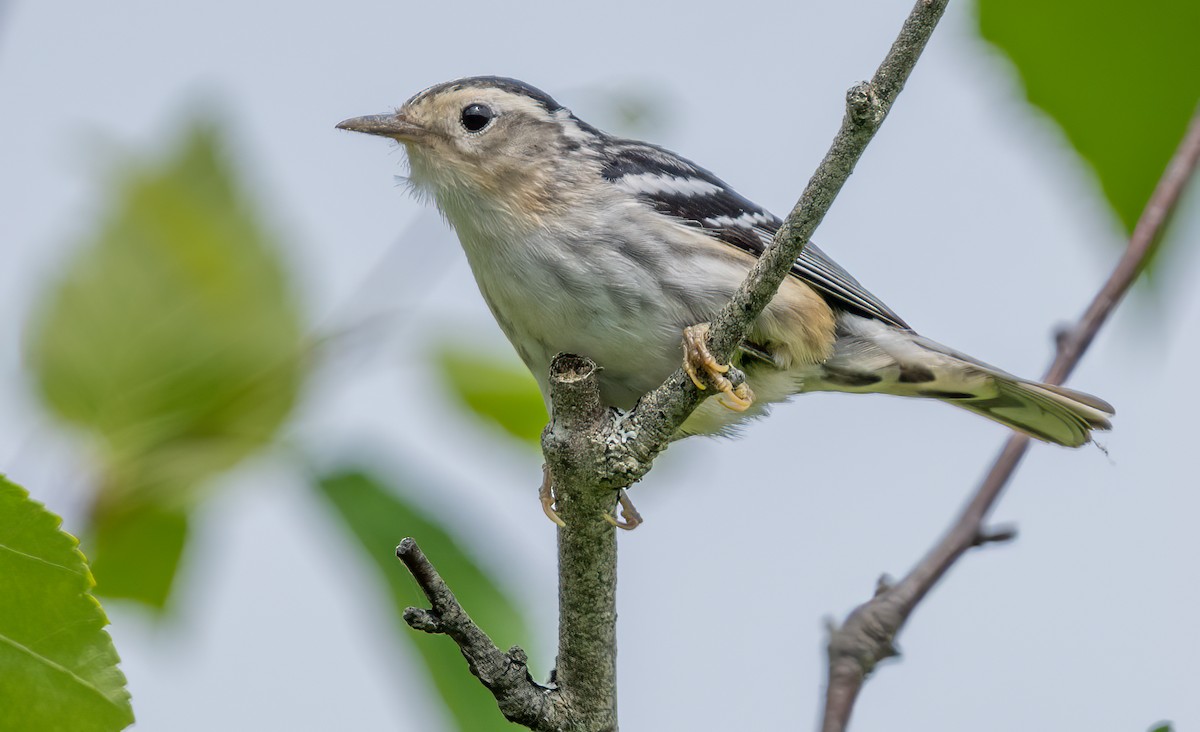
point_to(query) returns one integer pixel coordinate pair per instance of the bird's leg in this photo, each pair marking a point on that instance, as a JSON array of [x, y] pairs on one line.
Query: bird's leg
[[697, 360], [546, 495], [630, 518]]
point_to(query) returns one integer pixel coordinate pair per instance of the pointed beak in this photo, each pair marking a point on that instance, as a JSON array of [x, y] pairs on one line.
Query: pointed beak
[[395, 126]]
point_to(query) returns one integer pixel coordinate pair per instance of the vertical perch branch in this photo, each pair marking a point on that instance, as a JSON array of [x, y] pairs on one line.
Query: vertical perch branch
[[587, 545]]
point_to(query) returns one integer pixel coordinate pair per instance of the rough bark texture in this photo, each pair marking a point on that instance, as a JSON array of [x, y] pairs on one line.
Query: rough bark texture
[[587, 545], [504, 674]]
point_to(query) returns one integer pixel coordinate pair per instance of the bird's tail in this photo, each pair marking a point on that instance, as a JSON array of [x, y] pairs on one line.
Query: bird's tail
[[1050, 413], [873, 357]]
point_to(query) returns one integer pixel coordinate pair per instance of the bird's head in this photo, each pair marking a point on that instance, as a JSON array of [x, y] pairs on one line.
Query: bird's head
[[484, 138]]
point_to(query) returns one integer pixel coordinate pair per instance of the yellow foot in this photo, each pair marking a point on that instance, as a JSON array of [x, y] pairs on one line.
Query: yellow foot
[[697, 361], [546, 495], [630, 518]]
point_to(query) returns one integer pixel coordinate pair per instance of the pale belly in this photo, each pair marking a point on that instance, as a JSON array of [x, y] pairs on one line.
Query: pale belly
[[619, 299], [630, 330]]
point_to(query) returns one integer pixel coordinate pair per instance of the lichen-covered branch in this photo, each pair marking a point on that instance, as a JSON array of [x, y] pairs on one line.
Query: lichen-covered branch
[[866, 636], [586, 670]]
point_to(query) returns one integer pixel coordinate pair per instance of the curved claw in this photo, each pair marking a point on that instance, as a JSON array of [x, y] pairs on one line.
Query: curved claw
[[630, 518], [741, 398], [546, 496], [698, 361]]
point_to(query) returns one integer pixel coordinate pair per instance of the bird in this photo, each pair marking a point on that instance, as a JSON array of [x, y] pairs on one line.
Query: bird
[[622, 251]]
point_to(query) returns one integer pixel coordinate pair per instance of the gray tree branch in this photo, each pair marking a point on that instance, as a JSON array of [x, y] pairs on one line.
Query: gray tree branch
[[592, 451], [659, 413], [521, 700], [867, 635], [587, 545]]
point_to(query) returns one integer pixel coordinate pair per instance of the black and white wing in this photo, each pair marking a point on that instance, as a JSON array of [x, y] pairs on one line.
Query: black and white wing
[[676, 187]]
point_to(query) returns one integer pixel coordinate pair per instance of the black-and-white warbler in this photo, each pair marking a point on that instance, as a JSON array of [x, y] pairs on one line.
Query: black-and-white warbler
[[610, 248]]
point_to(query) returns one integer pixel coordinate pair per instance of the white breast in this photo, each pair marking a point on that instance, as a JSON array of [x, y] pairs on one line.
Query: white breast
[[608, 288]]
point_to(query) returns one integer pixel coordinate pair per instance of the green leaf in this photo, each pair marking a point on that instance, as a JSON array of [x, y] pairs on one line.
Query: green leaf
[[503, 394], [58, 666], [379, 518], [1162, 727], [138, 548], [172, 337], [1121, 80]]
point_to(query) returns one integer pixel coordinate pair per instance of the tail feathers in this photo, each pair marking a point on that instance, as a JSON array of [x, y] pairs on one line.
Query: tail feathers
[[870, 356], [1049, 413]]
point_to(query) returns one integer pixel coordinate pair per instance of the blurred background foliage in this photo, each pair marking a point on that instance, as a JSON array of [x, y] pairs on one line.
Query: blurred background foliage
[[499, 390], [1121, 85], [173, 336]]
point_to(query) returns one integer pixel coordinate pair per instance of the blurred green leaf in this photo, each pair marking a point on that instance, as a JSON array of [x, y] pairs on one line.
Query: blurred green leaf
[[173, 338], [58, 666], [138, 547], [1162, 727], [172, 335], [379, 518], [1121, 80], [503, 394]]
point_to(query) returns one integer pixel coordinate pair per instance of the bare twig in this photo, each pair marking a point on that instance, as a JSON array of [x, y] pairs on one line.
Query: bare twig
[[866, 636], [504, 674]]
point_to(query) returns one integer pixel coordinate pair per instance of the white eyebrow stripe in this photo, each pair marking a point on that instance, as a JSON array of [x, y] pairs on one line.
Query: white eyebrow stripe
[[651, 183]]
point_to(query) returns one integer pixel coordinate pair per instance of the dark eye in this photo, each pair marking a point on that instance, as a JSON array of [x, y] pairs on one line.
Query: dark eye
[[476, 117]]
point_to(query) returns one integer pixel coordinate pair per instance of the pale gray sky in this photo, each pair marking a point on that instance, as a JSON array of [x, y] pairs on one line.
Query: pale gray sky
[[969, 216]]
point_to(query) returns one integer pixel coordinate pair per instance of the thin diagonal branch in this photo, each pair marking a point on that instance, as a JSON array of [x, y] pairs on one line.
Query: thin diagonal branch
[[866, 636], [660, 413]]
